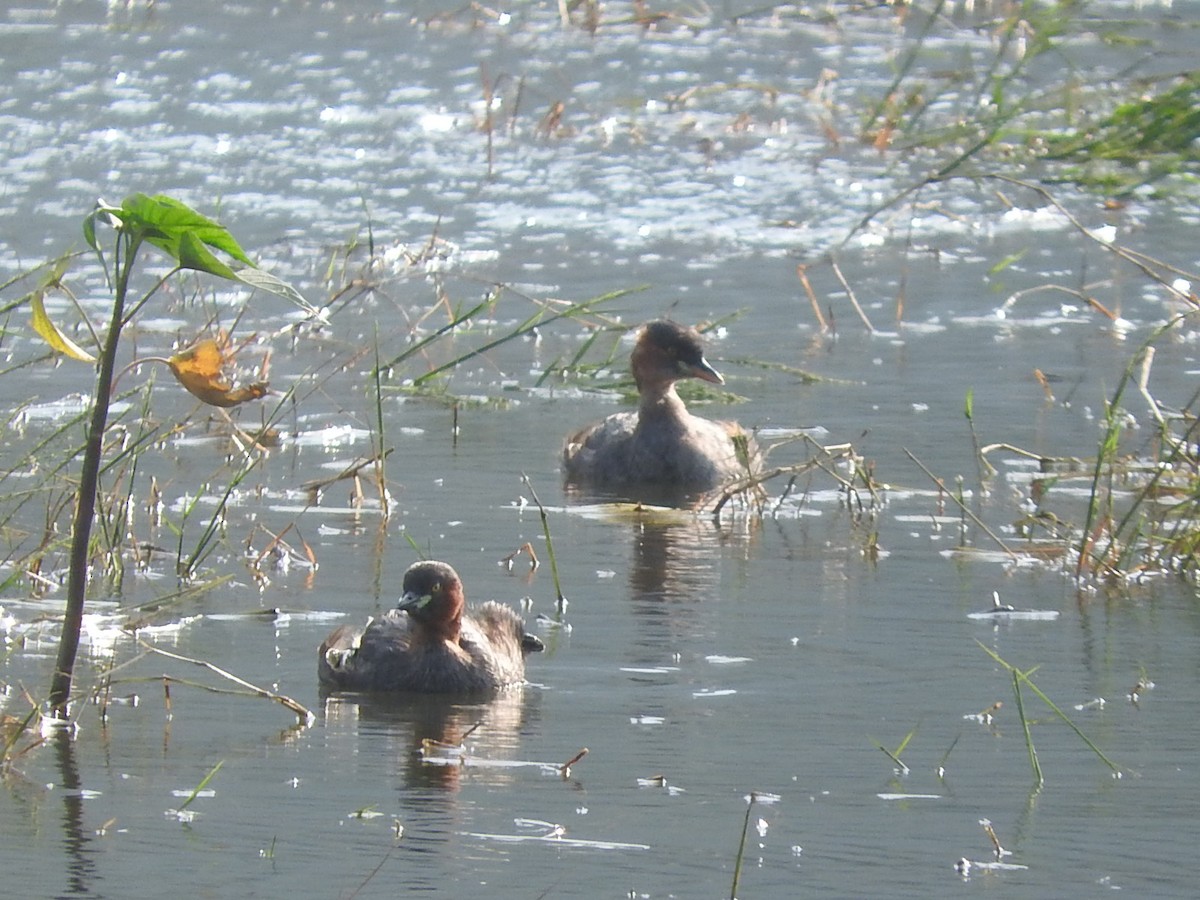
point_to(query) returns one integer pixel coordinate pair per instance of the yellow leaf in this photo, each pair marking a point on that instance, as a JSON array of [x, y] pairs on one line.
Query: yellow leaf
[[199, 370], [51, 335]]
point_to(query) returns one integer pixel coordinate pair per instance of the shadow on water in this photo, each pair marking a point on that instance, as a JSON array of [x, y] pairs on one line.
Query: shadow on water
[[81, 868]]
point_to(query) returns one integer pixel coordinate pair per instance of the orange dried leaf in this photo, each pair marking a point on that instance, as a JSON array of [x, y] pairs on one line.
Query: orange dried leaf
[[199, 370]]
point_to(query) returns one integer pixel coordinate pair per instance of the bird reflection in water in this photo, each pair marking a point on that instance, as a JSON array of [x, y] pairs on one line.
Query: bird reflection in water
[[419, 727]]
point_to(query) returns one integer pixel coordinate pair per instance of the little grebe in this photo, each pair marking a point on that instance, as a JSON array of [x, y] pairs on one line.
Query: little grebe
[[428, 644], [662, 443]]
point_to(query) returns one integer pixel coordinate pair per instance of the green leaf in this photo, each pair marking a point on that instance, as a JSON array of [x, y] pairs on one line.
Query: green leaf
[[265, 281], [163, 221], [89, 229], [1009, 260], [193, 254]]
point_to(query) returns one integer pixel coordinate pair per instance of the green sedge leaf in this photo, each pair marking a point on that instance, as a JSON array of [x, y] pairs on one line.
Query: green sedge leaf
[[89, 230]]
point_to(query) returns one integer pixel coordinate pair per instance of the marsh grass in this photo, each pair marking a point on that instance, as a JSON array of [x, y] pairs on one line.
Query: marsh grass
[[1141, 516], [129, 506], [1144, 139], [1022, 679], [894, 755], [13, 730], [741, 850], [561, 599], [854, 477]]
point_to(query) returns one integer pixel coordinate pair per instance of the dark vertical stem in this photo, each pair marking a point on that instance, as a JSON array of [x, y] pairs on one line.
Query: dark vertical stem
[[89, 480]]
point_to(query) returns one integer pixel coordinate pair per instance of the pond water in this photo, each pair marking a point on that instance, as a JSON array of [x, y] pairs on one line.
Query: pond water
[[694, 165]]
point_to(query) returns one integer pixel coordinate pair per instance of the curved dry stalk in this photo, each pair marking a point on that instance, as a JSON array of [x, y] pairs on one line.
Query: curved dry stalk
[[752, 483], [302, 712], [1147, 265]]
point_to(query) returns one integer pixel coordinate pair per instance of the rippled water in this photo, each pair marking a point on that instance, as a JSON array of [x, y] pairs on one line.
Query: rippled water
[[697, 662]]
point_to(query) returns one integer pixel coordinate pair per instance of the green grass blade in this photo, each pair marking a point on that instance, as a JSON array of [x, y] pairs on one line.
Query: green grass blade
[[1033, 758], [203, 783], [1024, 677]]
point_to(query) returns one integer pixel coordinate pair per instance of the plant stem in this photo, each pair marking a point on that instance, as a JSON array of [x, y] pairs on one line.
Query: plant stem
[[89, 480], [737, 866]]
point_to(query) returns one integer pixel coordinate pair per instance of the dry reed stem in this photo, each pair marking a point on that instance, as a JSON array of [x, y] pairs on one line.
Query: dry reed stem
[[802, 274], [351, 471], [853, 299], [305, 716], [968, 513]]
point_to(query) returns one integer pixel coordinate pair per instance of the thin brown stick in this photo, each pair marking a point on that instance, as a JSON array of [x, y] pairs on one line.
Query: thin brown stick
[[974, 518], [1146, 264], [853, 299], [353, 469], [802, 274], [565, 768]]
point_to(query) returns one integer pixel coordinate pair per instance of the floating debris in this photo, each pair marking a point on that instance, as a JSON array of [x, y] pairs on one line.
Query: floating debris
[[763, 797], [550, 624], [553, 834], [1002, 611], [187, 792], [987, 716], [647, 720]]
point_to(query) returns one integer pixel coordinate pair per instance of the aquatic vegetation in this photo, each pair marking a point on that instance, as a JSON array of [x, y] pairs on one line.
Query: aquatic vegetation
[[185, 236], [1021, 679], [1148, 137], [1143, 512], [188, 239]]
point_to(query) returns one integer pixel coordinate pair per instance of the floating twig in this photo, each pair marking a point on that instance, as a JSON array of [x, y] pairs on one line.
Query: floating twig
[[853, 299], [565, 768], [526, 547], [991, 833]]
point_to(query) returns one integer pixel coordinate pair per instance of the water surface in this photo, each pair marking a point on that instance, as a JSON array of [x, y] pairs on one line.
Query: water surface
[[697, 661]]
